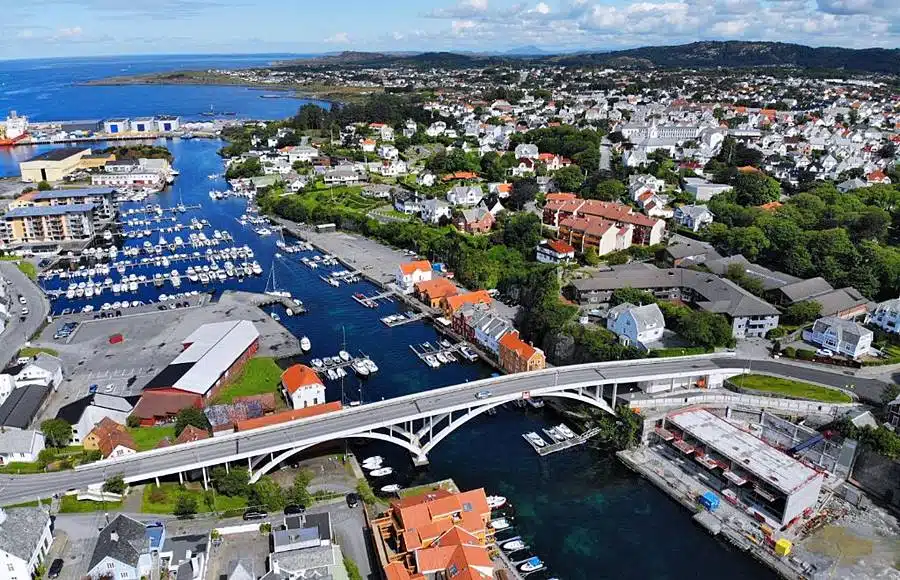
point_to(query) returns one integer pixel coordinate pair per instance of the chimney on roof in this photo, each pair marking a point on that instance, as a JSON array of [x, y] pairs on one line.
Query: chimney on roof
[[114, 536]]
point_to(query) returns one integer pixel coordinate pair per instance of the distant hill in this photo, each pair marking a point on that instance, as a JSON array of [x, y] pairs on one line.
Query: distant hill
[[746, 54], [731, 54]]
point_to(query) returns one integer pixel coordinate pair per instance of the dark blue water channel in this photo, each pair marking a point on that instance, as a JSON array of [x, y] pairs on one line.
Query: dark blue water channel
[[580, 510]]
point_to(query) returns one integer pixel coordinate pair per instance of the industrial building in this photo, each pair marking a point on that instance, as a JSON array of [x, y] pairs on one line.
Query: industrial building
[[212, 356], [52, 165], [772, 484], [47, 224], [114, 126]]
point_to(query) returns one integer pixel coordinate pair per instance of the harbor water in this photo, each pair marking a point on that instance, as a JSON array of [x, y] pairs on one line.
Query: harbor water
[[581, 511]]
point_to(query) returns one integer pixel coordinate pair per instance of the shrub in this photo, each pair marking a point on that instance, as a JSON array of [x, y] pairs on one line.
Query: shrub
[[133, 421], [790, 352], [805, 354]]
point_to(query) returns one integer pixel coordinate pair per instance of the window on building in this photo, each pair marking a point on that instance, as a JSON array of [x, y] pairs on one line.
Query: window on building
[[110, 565]]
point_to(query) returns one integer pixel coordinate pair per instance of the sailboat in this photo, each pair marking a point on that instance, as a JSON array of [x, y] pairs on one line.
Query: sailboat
[[274, 291]]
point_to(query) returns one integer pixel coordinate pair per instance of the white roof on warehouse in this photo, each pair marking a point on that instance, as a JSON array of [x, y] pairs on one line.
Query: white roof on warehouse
[[750, 453], [211, 350]]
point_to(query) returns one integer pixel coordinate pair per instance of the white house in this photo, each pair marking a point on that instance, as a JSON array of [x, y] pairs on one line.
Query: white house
[[122, 551], [411, 273], [302, 387], [388, 152], [465, 195], [527, 151], [20, 446], [435, 209], [636, 325], [25, 540], [693, 217], [7, 384], [840, 336], [84, 414], [302, 153], [554, 252], [490, 329], [45, 370], [702, 189], [886, 317], [426, 179]]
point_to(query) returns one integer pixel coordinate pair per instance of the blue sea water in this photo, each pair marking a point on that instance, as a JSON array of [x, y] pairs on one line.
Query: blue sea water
[[584, 513]]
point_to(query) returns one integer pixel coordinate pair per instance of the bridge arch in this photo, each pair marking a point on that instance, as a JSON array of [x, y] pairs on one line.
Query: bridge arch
[[257, 474]]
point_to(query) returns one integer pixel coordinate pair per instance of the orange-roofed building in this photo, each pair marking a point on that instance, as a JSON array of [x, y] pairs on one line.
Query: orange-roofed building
[[286, 416], [191, 434], [555, 252], [749, 169], [302, 387], [451, 304], [433, 533], [111, 439], [411, 273], [460, 175], [771, 206], [517, 356], [431, 292], [878, 176]]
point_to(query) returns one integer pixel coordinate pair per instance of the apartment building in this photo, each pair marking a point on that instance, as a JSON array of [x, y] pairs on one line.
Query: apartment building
[[47, 224]]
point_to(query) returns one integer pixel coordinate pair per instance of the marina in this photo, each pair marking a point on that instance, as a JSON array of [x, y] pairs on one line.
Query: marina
[[443, 353], [559, 437], [393, 320], [373, 300], [336, 367]]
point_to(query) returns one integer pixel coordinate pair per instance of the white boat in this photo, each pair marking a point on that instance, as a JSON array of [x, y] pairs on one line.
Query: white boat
[[360, 368], [345, 356], [496, 501], [370, 364], [382, 472], [532, 564], [305, 344], [70, 293], [535, 438], [204, 278], [565, 431], [373, 459], [500, 524], [132, 287], [316, 363], [392, 488], [275, 316], [331, 374], [431, 361], [513, 545]]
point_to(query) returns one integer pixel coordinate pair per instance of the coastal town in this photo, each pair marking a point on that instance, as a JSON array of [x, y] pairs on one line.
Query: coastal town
[[235, 347]]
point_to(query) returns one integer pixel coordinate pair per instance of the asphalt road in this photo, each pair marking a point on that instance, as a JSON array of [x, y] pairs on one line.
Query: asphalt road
[[353, 421], [17, 332]]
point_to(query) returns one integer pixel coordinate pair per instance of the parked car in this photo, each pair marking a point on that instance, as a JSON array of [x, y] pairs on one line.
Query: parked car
[[23, 300], [55, 568], [352, 500], [294, 509], [824, 352], [255, 515]]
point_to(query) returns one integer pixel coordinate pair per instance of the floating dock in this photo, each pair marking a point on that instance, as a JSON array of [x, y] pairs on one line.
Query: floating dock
[[427, 349], [550, 448], [399, 320], [373, 300]]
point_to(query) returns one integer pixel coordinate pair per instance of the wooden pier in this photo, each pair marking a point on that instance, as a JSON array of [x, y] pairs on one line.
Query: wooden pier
[[560, 445], [372, 301], [406, 319], [427, 349]]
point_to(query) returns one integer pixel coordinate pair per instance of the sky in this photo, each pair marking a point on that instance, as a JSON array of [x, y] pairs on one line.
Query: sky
[[49, 28]]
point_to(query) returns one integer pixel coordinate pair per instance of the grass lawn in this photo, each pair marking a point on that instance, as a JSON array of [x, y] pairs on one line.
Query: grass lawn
[[671, 352], [69, 504], [34, 351], [792, 388], [27, 504], [260, 375], [161, 500], [14, 467], [149, 437], [24, 266]]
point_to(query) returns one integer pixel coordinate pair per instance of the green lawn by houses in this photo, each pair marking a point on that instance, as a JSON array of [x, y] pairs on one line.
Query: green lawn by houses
[[149, 437], [30, 351], [24, 266], [260, 375], [792, 388], [69, 504], [161, 500]]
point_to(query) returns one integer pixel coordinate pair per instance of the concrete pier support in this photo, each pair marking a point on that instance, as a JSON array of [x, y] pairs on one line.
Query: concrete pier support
[[614, 395], [157, 481], [205, 479], [180, 478], [227, 468], [420, 460]]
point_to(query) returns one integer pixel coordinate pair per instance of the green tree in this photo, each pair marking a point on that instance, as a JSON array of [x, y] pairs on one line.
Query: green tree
[[115, 484], [233, 483], [133, 421], [753, 188], [191, 416], [631, 296], [890, 393], [44, 186], [590, 257], [522, 232], [524, 191], [266, 493], [57, 432], [569, 178], [241, 170], [802, 312], [608, 190], [185, 506], [298, 493]]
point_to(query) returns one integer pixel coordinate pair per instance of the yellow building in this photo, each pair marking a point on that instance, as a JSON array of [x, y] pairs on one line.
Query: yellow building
[[96, 161], [47, 224], [52, 165]]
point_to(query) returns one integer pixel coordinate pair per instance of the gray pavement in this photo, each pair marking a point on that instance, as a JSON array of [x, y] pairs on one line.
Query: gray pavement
[[17, 331]]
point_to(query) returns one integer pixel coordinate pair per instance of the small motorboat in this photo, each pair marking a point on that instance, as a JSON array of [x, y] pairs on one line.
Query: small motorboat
[[345, 356], [535, 438], [370, 364], [432, 362], [381, 472], [373, 459], [316, 363], [360, 367], [532, 564], [275, 316], [496, 501], [500, 524], [513, 545], [565, 431], [305, 344], [392, 488]]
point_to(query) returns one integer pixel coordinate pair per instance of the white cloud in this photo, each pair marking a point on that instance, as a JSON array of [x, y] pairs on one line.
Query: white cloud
[[73, 32], [460, 26], [729, 28], [542, 8], [338, 38]]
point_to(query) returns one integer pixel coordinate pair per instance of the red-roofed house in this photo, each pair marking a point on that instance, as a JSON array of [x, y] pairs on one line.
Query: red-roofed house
[[160, 406], [437, 534], [451, 304], [191, 434], [411, 273], [302, 387], [877, 176], [431, 292], [555, 252], [517, 356], [286, 416], [645, 230]]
